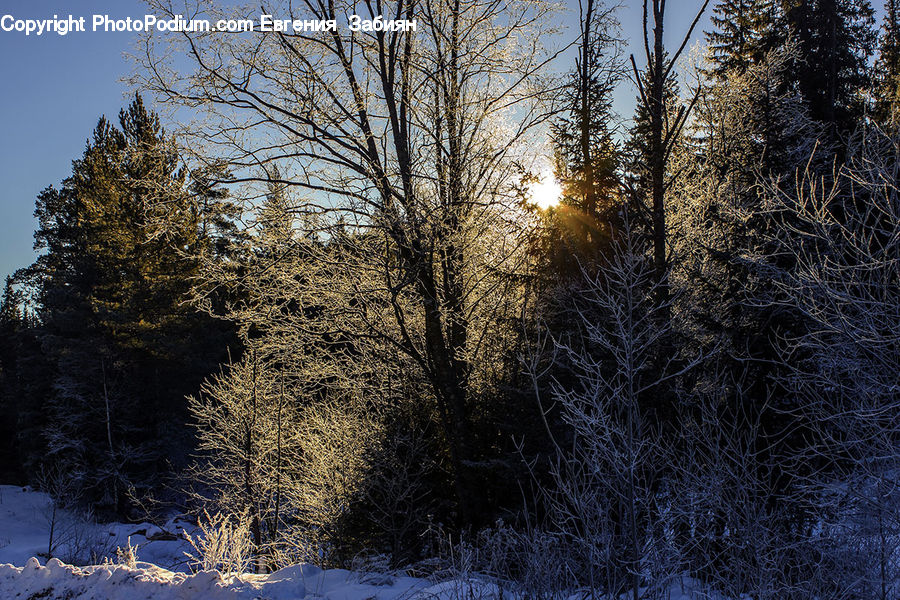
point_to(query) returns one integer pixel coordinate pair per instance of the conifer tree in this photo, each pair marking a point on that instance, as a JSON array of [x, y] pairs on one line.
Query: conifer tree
[[887, 68], [836, 38], [580, 228], [10, 323], [586, 155], [275, 220], [638, 147], [661, 133], [216, 212], [118, 243], [754, 130], [743, 32], [10, 313]]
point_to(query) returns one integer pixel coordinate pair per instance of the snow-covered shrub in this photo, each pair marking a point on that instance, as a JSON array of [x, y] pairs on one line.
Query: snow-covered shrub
[[372, 569], [611, 451], [337, 440], [56, 483], [531, 562], [296, 470], [224, 543], [127, 556], [522, 561]]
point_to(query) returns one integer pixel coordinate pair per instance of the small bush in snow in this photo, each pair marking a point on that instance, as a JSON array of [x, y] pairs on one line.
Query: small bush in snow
[[127, 556], [224, 544]]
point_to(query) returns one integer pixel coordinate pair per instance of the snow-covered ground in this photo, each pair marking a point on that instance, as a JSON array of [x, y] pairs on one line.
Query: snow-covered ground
[[25, 520], [161, 571], [57, 580]]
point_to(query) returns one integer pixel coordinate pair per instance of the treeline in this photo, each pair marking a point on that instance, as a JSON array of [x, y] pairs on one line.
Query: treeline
[[345, 329], [100, 342]]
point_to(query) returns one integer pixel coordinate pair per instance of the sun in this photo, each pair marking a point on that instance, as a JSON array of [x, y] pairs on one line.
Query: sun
[[546, 192]]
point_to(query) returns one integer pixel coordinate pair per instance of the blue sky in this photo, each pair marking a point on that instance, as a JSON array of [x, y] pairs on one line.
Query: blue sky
[[54, 88]]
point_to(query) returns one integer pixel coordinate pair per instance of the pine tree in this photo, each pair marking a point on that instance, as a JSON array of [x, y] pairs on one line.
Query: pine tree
[[119, 242]]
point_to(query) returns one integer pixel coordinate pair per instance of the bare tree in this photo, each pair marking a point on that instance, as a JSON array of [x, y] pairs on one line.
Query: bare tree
[[243, 429], [845, 286], [409, 142], [609, 467], [663, 130]]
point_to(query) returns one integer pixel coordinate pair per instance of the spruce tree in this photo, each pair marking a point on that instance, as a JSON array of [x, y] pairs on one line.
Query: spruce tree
[[580, 229], [637, 150], [887, 68], [836, 38], [744, 31], [586, 155], [216, 213]]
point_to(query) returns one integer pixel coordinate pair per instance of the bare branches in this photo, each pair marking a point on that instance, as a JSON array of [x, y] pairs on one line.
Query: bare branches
[[607, 470], [407, 145], [662, 135]]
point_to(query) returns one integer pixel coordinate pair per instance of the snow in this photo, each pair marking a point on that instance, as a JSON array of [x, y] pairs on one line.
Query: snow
[[118, 582], [60, 581], [161, 571], [25, 531]]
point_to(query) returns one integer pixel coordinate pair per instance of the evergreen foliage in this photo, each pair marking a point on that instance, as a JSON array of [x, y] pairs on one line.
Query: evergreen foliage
[[587, 159], [836, 39], [886, 88], [121, 345], [744, 31]]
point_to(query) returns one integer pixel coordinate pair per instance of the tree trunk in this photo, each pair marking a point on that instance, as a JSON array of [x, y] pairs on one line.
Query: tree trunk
[[657, 110]]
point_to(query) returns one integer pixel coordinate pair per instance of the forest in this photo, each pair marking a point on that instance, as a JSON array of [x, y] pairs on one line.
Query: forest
[[302, 289]]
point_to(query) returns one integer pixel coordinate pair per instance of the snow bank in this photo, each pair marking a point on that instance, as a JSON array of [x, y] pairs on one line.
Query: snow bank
[[117, 582], [59, 581]]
